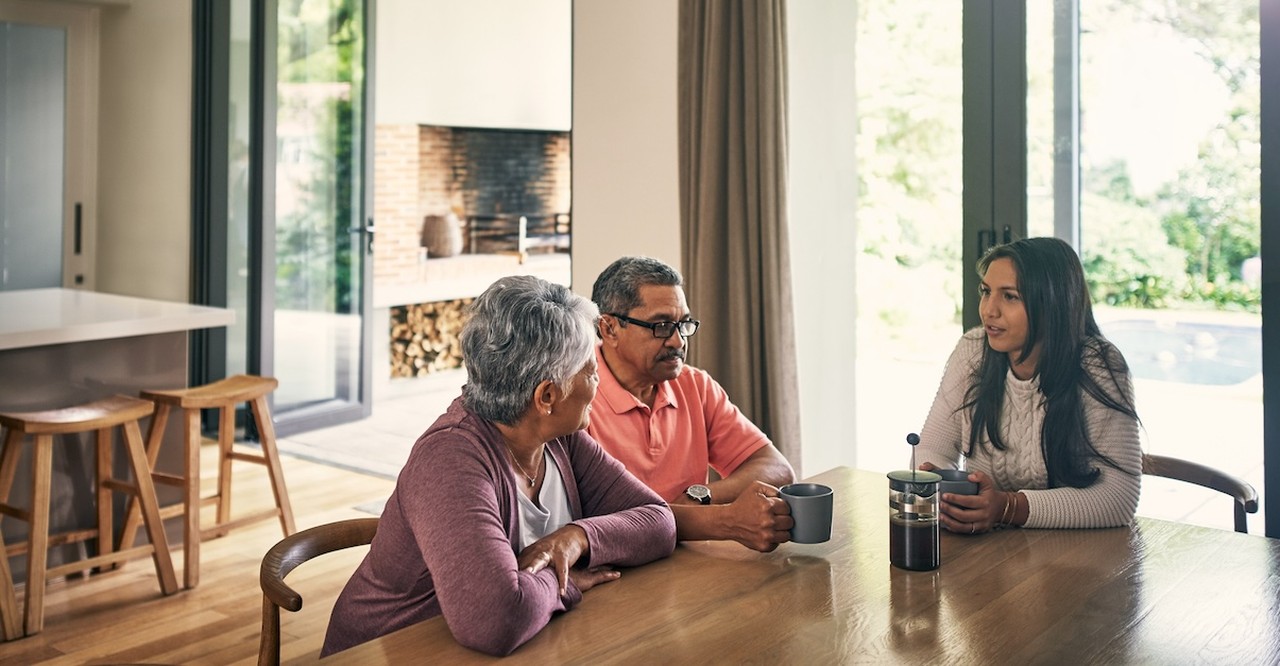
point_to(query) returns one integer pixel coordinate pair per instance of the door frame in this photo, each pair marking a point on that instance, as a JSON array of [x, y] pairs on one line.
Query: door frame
[[995, 135], [1269, 247]]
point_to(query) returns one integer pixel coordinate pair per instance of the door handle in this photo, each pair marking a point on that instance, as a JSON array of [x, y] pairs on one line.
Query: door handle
[[79, 227], [987, 238], [366, 229]]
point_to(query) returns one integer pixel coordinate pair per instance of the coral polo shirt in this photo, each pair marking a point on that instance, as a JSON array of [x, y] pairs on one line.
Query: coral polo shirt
[[691, 426]]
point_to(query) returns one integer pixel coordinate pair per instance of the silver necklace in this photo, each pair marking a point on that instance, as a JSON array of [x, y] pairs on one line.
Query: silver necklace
[[530, 478]]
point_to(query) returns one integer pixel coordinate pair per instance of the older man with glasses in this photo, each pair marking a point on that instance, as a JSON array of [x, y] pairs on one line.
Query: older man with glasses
[[669, 422]]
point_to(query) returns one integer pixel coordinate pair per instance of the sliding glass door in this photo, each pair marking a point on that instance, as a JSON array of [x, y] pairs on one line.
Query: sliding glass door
[[315, 282], [1156, 107], [281, 233]]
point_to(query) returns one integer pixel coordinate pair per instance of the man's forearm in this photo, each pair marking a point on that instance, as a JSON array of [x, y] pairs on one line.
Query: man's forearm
[[773, 471], [699, 523], [757, 520]]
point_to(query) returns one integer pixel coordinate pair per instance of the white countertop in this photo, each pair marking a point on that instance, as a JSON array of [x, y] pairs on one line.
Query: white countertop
[[37, 317]]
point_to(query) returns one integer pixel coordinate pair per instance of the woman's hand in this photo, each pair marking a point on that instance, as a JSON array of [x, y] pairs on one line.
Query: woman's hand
[[586, 579], [973, 514], [560, 550]]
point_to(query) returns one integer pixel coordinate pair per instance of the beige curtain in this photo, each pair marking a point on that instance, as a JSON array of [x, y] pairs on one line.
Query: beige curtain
[[733, 157]]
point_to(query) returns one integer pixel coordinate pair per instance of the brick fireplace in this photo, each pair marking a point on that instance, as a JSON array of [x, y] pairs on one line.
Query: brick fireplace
[[506, 196]]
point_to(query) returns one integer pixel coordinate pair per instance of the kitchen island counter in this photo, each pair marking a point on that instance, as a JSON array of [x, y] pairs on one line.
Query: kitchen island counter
[[63, 347], [37, 317]]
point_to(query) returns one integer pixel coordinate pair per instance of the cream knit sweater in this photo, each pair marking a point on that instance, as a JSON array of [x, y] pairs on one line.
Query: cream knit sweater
[[1109, 502]]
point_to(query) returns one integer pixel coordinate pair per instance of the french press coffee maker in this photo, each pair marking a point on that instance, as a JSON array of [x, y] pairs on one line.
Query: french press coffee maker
[[913, 517]]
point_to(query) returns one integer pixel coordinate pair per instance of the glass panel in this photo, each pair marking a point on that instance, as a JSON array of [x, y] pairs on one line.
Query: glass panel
[[1040, 117], [318, 190], [32, 121], [909, 216], [238, 240], [1170, 224]]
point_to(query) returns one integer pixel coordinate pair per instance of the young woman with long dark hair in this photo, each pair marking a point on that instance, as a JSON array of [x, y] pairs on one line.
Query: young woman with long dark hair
[[1036, 404]]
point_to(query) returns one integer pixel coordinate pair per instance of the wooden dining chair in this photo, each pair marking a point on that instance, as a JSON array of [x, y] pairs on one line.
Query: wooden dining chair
[[1246, 498], [285, 556]]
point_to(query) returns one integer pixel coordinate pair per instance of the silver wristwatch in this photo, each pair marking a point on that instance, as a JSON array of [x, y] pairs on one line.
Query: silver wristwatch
[[698, 493]]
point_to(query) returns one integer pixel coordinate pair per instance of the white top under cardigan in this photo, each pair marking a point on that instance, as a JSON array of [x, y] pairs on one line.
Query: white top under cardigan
[[552, 510], [1110, 501]]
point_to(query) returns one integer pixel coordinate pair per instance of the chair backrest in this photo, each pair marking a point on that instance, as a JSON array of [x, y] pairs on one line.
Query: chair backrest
[[285, 556], [1246, 498]]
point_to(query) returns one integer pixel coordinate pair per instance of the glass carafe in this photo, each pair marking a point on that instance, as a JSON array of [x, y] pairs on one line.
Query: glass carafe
[[913, 520]]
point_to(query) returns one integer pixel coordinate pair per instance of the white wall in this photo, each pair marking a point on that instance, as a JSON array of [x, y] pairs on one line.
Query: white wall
[[625, 181], [144, 150], [479, 63], [821, 201], [625, 177]]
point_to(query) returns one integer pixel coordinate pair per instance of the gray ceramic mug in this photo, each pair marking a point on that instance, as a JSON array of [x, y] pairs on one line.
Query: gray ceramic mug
[[956, 481], [811, 505]]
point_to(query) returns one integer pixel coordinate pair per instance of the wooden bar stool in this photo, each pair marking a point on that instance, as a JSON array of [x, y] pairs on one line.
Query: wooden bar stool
[[99, 417], [224, 395]]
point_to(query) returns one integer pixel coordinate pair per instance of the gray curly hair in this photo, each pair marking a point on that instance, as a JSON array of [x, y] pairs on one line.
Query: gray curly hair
[[522, 331]]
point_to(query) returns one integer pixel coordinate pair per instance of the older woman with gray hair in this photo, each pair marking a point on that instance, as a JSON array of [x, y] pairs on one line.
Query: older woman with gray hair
[[506, 510]]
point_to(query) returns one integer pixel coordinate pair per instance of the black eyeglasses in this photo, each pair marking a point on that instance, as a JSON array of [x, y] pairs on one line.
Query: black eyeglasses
[[664, 329]]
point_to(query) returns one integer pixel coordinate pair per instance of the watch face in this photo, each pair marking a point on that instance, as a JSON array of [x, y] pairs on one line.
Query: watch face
[[700, 493]]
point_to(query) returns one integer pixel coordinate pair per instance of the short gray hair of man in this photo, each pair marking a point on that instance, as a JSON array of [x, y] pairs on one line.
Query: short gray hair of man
[[617, 289], [522, 331]]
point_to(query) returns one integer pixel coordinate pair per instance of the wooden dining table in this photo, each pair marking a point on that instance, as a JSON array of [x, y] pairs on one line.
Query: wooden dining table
[[1156, 592]]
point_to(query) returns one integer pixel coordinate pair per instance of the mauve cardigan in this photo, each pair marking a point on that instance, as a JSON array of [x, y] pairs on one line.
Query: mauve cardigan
[[446, 543]]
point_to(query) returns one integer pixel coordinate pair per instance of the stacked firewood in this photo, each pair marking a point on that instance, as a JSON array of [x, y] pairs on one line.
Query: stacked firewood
[[424, 337]]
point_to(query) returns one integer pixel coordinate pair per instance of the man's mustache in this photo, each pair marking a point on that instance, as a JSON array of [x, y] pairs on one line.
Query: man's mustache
[[674, 353]]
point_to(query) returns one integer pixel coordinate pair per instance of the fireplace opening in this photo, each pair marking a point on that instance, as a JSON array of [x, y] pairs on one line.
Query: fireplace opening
[[507, 191], [457, 208]]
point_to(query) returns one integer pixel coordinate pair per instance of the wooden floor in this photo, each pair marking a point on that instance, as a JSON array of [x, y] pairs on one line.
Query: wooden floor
[[121, 617]]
